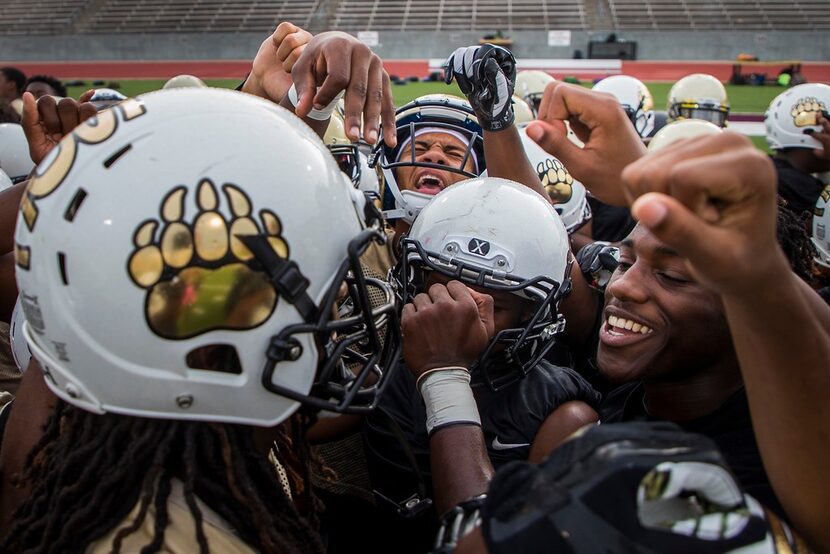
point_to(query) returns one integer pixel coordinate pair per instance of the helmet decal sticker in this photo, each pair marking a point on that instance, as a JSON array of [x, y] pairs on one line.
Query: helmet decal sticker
[[825, 197], [805, 111], [22, 256], [56, 166], [556, 179], [199, 275]]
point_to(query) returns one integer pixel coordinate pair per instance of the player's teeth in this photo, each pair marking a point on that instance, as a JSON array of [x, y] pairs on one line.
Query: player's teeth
[[628, 325]]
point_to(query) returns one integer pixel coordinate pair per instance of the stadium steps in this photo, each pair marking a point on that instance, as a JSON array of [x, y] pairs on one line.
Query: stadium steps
[[598, 14], [89, 11], [460, 15]]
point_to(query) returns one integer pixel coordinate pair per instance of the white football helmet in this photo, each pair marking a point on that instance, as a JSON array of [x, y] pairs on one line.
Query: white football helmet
[[681, 129], [794, 111], [14, 152], [184, 81], [20, 348], [698, 96], [169, 265], [569, 195], [499, 235], [522, 112], [5, 182], [342, 148], [821, 226], [104, 98], [530, 86], [433, 111], [635, 99]]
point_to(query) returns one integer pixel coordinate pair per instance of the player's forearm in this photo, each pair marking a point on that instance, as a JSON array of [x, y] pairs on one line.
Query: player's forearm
[[318, 126], [783, 347], [9, 206], [506, 158], [461, 467]]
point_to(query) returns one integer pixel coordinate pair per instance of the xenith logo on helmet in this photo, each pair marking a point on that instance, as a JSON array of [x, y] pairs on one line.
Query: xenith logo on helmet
[[479, 247]]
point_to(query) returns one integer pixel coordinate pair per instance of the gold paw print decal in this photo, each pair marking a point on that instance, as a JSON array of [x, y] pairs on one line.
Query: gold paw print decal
[[825, 197], [805, 112], [557, 181], [198, 275]]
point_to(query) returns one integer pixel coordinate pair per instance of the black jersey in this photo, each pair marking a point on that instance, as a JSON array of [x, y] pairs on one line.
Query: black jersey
[[609, 223], [730, 427], [800, 190], [510, 419]]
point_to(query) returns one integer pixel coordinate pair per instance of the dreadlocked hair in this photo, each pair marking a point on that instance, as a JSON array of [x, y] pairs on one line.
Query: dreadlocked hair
[[794, 239], [89, 471]]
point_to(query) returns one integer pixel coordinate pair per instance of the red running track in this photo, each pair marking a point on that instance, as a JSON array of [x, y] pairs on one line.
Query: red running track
[[236, 69]]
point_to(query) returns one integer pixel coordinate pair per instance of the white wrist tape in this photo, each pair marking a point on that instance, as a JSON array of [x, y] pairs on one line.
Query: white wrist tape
[[448, 398], [319, 115]]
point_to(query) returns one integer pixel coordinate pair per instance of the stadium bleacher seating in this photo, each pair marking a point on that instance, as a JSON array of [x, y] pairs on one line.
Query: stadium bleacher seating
[[163, 16], [20, 17], [457, 15], [709, 15], [24, 17]]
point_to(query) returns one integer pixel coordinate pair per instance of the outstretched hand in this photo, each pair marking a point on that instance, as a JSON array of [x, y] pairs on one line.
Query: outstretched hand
[[46, 121], [270, 76], [611, 142], [333, 62]]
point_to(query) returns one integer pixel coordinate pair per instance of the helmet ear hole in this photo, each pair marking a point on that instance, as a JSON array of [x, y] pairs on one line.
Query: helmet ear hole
[[215, 357]]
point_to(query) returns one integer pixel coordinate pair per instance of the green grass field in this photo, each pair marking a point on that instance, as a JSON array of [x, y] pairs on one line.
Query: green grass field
[[744, 99]]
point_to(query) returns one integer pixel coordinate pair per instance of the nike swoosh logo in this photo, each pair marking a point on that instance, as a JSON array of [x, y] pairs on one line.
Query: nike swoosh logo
[[498, 445]]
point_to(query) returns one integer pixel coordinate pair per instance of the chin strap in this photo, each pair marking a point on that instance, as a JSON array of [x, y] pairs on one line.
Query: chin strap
[[284, 274]]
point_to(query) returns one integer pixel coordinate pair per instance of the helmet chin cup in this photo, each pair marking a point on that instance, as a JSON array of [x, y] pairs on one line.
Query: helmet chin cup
[[413, 203]]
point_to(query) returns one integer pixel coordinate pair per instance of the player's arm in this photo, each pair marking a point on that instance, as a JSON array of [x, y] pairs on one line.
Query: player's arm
[[506, 158], [713, 200], [461, 467], [446, 329], [486, 74], [563, 422], [9, 203], [783, 348]]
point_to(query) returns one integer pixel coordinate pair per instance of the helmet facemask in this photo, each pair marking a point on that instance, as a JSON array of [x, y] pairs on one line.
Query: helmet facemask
[[359, 346], [512, 353], [534, 100], [413, 119], [711, 112], [638, 117], [347, 158]]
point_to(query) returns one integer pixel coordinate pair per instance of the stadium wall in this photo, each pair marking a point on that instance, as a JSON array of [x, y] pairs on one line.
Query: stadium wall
[[652, 45]]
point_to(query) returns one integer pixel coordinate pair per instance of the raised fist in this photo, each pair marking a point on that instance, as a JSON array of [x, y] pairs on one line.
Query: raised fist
[[486, 75]]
